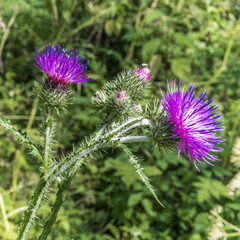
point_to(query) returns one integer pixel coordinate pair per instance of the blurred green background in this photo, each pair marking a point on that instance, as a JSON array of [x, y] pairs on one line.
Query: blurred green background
[[195, 41]]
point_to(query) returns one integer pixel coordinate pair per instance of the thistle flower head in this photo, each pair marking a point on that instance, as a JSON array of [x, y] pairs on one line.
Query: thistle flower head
[[195, 123], [60, 67], [144, 73]]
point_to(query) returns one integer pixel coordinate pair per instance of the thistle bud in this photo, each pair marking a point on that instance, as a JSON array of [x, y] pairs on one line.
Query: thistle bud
[[161, 129], [144, 73], [121, 96]]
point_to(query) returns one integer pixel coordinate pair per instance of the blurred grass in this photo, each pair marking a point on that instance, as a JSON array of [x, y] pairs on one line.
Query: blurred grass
[[196, 41]]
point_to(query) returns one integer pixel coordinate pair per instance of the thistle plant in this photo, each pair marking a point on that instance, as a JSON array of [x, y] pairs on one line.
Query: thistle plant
[[178, 120]]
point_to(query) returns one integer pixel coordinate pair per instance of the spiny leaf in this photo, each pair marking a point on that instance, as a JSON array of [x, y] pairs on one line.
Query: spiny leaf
[[21, 137], [134, 161]]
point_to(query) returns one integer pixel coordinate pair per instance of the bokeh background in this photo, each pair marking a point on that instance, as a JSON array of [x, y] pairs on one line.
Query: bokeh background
[[195, 41]]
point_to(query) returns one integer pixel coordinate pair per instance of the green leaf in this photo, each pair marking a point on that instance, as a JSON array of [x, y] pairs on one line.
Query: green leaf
[[155, 14], [134, 199], [203, 195], [234, 206], [155, 64], [202, 218], [109, 27], [184, 40], [152, 171], [126, 172], [181, 67], [147, 204], [150, 48], [195, 236], [114, 230], [21, 137]]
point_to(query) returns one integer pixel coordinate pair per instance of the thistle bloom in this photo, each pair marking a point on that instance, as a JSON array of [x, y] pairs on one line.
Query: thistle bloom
[[194, 122], [144, 73], [60, 67]]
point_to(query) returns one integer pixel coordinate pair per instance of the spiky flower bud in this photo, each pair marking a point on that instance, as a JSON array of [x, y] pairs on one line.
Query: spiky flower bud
[[121, 96]]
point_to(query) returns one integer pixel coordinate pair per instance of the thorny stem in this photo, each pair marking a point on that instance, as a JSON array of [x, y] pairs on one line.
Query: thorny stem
[[134, 161], [63, 188], [102, 126], [49, 132], [67, 181], [132, 139], [43, 187], [138, 124], [32, 209], [74, 159], [62, 191]]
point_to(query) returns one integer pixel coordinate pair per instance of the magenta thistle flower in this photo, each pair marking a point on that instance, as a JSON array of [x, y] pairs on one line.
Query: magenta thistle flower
[[61, 67], [194, 122], [144, 73]]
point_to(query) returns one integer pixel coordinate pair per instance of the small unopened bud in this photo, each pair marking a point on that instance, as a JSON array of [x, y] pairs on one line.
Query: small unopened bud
[[144, 73], [121, 96]]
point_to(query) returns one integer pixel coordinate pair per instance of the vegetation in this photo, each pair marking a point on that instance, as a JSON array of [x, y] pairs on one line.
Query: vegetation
[[195, 41]]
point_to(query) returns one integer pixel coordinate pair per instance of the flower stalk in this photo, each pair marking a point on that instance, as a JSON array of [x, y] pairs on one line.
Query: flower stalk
[[71, 162], [48, 141]]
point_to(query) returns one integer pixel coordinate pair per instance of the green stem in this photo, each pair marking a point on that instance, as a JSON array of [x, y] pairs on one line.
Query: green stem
[[67, 181], [129, 139], [43, 186], [63, 188], [225, 58], [73, 161], [32, 209], [4, 214], [48, 140]]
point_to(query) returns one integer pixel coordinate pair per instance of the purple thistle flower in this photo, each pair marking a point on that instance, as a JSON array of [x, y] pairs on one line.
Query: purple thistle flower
[[61, 67], [194, 122]]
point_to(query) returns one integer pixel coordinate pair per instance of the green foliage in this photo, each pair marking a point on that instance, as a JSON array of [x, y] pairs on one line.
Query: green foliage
[[21, 137], [179, 39]]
